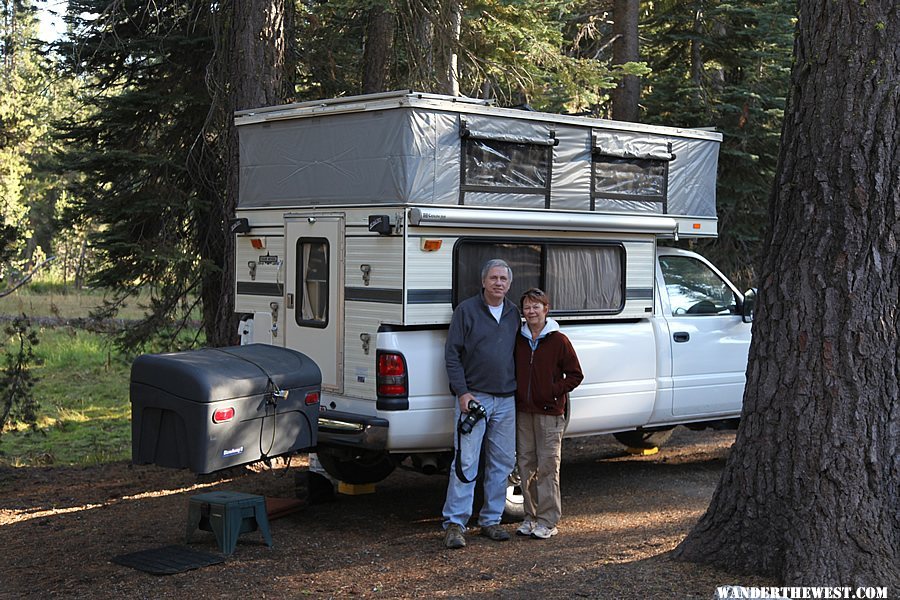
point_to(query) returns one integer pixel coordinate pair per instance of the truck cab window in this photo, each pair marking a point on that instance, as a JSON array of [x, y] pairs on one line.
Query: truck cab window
[[695, 289], [312, 282]]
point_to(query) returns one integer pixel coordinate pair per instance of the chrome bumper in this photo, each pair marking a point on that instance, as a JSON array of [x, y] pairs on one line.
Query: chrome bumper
[[343, 429]]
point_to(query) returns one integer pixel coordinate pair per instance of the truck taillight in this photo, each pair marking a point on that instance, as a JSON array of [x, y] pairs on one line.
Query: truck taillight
[[223, 414], [311, 398], [391, 378]]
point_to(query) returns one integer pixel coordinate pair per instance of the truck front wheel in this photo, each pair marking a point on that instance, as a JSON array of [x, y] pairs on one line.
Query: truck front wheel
[[370, 467], [644, 440]]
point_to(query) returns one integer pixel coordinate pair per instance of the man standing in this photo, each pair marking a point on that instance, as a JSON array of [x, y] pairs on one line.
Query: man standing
[[480, 367]]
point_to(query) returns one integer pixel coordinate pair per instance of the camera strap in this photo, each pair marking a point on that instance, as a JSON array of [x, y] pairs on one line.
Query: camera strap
[[459, 472]]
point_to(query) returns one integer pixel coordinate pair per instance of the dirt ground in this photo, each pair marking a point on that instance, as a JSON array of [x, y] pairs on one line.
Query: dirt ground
[[59, 528]]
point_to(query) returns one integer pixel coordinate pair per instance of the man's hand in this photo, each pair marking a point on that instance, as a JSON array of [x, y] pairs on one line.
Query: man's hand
[[464, 402]]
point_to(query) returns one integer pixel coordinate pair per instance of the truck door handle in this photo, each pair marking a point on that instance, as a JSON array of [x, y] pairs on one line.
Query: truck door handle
[[681, 336]]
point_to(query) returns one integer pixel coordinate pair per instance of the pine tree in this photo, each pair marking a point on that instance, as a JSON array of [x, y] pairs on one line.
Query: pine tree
[[23, 111], [725, 65], [148, 154], [162, 82], [811, 490]]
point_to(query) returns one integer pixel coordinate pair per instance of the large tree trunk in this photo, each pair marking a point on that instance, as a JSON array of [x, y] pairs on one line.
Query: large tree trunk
[[254, 63], [811, 490], [377, 52], [625, 49]]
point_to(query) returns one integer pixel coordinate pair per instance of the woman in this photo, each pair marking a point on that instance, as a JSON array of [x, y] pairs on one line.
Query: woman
[[547, 369]]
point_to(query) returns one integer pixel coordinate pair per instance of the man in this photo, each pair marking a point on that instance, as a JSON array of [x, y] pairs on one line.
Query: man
[[480, 367]]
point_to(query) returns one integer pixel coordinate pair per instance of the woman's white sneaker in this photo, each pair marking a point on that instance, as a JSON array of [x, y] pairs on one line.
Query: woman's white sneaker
[[543, 533], [526, 527]]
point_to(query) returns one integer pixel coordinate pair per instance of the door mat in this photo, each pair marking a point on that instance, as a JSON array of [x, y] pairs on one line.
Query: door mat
[[168, 560]]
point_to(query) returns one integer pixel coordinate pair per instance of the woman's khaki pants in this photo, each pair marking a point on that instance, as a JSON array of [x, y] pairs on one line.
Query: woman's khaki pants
[[538, 449]]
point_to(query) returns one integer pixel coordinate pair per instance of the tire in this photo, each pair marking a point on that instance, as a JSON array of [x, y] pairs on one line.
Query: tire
[[514, 509], [366, 468], [644, 440]]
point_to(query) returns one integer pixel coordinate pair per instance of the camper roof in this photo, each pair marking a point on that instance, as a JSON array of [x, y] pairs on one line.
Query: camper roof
[[415, 148], [459, 104]]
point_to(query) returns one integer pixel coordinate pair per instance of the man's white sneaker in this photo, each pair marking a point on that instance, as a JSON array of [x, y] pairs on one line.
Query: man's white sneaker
[[526, 527], [544, 533]]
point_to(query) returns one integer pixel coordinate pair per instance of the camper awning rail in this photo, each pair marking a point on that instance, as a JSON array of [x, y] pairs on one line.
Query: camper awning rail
[[510, 219]]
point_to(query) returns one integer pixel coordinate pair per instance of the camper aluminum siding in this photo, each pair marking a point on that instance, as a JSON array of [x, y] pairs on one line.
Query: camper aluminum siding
[[393, 280], [412, 148]]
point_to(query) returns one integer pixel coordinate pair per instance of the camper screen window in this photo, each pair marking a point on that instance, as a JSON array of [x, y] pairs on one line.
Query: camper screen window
[[312, 282], [629, 183], [580, 278], [495, 166]]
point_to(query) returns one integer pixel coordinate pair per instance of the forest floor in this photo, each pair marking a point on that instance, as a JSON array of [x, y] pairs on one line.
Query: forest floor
[[622, 516]]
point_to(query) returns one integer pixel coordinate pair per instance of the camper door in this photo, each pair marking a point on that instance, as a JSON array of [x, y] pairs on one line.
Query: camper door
[[314, 319]]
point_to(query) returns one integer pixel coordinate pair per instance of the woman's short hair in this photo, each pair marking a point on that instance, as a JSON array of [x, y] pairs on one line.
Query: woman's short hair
[[535, 295], [495, 262]]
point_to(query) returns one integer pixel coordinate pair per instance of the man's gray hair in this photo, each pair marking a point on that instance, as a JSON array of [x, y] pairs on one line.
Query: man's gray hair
[[495, 262]]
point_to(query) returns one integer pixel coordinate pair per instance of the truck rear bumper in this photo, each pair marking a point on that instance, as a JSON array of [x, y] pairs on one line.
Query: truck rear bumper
[[345, 429]]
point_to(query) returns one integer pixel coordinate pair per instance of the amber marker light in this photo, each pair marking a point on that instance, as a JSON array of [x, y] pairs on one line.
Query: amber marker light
[[431, 245]]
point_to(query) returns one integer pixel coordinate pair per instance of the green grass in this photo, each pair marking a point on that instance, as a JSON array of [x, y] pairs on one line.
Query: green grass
[[85, 414], [48, 299]]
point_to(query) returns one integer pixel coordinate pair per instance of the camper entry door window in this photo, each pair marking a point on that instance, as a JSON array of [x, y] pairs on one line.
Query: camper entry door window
[[312, 282]]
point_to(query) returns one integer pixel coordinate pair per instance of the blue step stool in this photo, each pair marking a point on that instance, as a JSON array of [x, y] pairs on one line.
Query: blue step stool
[[227, 515]]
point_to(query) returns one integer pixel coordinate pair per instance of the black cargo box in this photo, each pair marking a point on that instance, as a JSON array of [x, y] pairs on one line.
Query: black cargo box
[[215, 408]]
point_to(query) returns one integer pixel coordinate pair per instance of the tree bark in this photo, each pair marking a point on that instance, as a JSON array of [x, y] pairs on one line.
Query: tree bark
[[626, 49], [254, 53], [377, 52], [456, 9], [811, 489]]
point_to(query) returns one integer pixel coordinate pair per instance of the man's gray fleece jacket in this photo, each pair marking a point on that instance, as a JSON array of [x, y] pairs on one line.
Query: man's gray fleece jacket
[[479, 350]]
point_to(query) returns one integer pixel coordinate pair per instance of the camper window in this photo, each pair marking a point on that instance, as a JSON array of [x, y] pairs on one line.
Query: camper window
[[494, 166], [695, 289], [312, 282], [580, 278], [629, 184]]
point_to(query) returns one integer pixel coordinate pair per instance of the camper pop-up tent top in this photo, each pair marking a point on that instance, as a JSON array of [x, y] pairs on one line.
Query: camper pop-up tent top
[[410, 149], [363, 221]]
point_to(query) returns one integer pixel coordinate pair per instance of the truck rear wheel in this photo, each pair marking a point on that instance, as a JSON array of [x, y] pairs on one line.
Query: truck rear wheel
[[515, 502], [365, 468], [514, 509], [644, 440]]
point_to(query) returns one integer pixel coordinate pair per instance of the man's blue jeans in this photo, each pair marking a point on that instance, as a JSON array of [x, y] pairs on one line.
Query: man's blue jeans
[[498, 432]]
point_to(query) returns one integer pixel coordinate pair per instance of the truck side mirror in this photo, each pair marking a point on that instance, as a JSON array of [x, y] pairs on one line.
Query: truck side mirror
[[749, 305]]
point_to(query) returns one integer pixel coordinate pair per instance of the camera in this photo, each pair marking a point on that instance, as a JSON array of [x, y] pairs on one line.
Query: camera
[[476, 413]]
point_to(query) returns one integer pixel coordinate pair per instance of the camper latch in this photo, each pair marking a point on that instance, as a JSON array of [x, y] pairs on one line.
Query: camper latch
[[366, 271], [365, 338], [273, 306], [252, 266]]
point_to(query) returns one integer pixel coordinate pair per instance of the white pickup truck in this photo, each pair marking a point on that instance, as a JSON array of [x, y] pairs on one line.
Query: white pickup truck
[[363, 221], [684, 364]]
